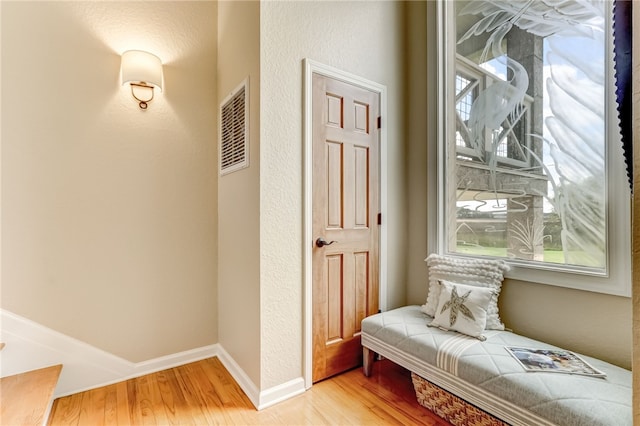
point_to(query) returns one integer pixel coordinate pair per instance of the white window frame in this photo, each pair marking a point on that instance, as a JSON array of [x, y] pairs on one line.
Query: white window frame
[[616, 279]]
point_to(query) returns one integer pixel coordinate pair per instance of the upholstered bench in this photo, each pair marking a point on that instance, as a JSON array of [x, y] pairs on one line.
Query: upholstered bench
[[466, 372]]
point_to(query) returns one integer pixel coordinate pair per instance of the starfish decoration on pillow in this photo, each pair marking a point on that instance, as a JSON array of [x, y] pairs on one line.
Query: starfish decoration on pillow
[[456, 303]]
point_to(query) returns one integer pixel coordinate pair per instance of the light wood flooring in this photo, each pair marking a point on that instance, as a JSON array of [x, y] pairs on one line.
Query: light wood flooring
[[204, 393]]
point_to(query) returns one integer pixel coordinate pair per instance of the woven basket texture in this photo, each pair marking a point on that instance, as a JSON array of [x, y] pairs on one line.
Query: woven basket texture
[[455, 410]]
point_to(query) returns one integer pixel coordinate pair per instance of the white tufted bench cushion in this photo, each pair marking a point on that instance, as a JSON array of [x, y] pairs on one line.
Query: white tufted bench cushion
[[486, 375]]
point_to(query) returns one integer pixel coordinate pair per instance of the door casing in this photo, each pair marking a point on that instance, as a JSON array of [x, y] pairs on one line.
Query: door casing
[[311, 67]]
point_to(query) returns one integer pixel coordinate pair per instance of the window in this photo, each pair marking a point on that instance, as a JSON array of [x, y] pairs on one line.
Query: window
[[530, 160]]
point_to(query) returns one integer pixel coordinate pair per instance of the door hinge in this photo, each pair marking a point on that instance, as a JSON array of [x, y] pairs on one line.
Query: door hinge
[[379, 123], [379, 218]]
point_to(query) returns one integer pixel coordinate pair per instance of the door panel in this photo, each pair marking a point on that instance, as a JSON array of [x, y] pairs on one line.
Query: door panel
[[345, 206], [334, 185], [334, 301], [361, 187]]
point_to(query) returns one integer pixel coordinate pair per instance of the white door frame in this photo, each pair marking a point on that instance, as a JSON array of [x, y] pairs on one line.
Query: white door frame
[[311, 67]]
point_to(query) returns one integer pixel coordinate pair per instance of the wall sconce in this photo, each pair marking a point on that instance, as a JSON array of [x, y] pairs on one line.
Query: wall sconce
[[143, 71]]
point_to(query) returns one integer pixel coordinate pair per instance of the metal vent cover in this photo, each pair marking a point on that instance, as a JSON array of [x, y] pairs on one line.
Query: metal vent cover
[[234, 130]]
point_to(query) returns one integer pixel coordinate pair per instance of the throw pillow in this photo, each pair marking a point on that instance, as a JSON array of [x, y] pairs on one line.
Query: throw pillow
[[477, 272], [462, 308]]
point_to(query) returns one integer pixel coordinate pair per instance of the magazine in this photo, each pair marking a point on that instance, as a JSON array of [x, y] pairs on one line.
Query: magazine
[[553, 361]]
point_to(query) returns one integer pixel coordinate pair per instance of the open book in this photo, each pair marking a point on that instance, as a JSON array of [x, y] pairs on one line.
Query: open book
[[552, 361]]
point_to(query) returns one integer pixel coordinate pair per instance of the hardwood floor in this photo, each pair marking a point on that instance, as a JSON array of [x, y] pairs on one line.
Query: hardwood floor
[[204, 393]]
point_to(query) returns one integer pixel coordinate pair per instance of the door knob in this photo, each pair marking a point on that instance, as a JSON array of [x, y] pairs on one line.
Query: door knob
[[321, 242]]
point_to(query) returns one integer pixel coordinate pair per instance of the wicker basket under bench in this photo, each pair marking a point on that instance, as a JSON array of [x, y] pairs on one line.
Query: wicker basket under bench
[[471, 382]]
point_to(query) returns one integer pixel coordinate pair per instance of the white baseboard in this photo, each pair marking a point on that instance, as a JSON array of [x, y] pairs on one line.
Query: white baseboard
[[281, 392], [238, 374], [30, 346], [265, 398]]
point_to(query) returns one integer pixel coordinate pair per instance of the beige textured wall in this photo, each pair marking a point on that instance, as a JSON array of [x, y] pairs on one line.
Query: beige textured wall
[[108, 211], [239, 193], [418, 120], [364, 38], [594, 324], [636, 220]]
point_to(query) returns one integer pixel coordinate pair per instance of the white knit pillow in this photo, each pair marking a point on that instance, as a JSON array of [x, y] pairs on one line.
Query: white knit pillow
[[476, 272]]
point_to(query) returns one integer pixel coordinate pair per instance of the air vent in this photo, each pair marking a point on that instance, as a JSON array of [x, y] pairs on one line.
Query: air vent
[[234, 130]]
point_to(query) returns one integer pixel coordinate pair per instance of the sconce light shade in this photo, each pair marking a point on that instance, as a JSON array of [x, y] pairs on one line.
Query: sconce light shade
[[141, 70]]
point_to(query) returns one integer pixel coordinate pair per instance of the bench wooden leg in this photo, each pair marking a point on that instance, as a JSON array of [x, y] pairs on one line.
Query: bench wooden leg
[[367, 361]]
